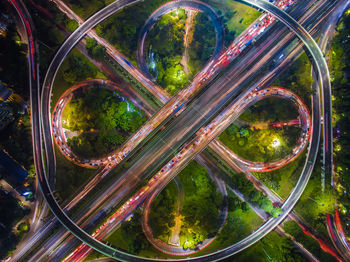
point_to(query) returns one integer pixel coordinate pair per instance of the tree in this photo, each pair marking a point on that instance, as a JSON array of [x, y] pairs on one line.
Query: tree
[[99, 52], [103, 119], [71, 25], [10, 213], [90, 44], [78, 69]]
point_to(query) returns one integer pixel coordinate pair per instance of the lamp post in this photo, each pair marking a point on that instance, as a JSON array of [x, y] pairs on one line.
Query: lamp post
[[315, 201]]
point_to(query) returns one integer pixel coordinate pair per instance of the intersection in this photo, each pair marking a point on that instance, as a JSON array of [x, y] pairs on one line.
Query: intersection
[[189, 126]]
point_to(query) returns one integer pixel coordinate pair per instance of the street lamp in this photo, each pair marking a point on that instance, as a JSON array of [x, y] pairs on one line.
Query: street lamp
[[270, 258], [276, 143], [315, 201]]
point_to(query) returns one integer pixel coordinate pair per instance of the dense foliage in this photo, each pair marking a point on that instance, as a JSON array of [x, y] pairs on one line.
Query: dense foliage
[[86, 8], [200, 208], [78, 70], [237, 225], [166, 47], [291, 227], [132, 232], [69, 177], [162, 214], [235, 16], [13, 72], [122, 28], [272, 247], [340, 69], [129, 236], [280, 249], [10, 213], [203, 43], [167, 55], [257, 144], [95, 50], [199, 212], [271, 109], [298, 79], [246, 187], [47, 31], [104, 119], [252, 136]]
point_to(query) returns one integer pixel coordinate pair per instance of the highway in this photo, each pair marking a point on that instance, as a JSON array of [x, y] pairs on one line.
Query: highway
[[178, 102], [169, 171], [309, 163], [34, 85], [157, 91], [337, 235], [24, 23], [181, 98], [78, 29], [260, 212], [275, 198], [80, 197], [122, 152], [305, 124]]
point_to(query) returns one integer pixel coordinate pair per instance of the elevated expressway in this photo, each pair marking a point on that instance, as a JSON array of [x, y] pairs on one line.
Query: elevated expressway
[[58, 131], [119, 154], [301, 183], [116, 159], [110, 251], [302, 142], [156, 90], [237, 47], [252, 98]]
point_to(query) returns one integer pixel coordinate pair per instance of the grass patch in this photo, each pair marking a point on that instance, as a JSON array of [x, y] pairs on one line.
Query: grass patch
[[236, 16], [258, 144], [241, 221], [103, 119], [284, 179], [86, 8], [69, 177], [273, 247], [243, 16]]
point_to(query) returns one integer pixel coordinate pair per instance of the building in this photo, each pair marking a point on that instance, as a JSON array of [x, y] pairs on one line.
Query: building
[[6, 114], [5, 92], [4, 22], [15, 174], [8, 95]]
